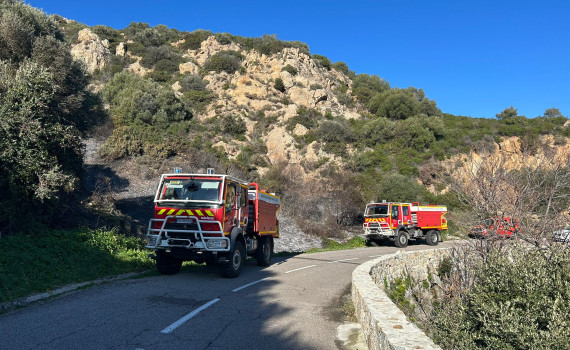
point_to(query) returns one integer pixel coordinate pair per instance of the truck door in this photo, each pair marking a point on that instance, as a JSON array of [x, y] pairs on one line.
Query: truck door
[[395, 216], [231, 212], [406, 215]]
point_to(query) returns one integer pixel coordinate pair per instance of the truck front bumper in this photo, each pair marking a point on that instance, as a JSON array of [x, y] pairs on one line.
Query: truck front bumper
[[165, 238]]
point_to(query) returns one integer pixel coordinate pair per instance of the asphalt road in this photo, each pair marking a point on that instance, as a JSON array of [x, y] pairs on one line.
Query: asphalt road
[[293, 304]]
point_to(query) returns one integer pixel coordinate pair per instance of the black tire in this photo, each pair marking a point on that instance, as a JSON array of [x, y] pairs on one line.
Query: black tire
[[432, 237], [167, 264], [233, 267], [264, 251], [368, 242], [401, 240]]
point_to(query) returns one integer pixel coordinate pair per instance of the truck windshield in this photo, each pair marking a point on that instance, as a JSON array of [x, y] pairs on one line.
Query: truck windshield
[[377, 210], [190, 190]]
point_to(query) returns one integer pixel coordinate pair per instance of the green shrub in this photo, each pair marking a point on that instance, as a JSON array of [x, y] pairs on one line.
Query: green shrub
[[135, 27], [224, 61], [305, 117], [140, 139], [108, 33], [322, 61], [198, 100], [136, 99], [365, 86], [279, 85], [233, 125], [518, 301], [44, 108], [289, 68], [190, 82], [341, 67], [193, 41], [154, 54]]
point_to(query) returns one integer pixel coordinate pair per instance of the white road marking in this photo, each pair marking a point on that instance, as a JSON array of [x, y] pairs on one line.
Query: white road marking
[[374, 256], [181, 321], [249, 284], [332, 262], [301, 268]]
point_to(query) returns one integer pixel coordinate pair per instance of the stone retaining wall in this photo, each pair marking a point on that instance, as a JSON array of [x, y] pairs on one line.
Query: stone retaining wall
[[384, 325]]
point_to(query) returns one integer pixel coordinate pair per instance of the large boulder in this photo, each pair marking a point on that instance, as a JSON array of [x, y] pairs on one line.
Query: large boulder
[[91, 50]]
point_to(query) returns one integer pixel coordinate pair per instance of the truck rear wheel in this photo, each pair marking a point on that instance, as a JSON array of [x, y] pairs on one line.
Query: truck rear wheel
[[167, 264], [432, 237], [233, 267], [401, 239], [264, 251]]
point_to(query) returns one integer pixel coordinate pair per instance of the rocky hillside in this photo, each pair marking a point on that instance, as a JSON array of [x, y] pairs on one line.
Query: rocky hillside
[[271, 111]]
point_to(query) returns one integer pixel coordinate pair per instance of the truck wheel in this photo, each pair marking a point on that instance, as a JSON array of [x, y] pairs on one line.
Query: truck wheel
[[264, 251], [167, 265], [401, 240], [237, 256], [432, 238]]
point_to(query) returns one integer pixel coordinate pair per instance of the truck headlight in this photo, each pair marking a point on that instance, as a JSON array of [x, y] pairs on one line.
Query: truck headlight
[[216, 243]]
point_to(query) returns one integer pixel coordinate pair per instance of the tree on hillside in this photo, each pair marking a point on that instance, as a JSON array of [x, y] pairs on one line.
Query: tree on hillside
[[552, 113], [44, 107], [508, 113]]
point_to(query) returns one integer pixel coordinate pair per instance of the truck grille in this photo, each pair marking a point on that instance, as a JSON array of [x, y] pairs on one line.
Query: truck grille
[[187, 227]]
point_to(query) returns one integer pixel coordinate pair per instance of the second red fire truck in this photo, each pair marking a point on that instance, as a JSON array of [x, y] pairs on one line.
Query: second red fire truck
[[400, 222]]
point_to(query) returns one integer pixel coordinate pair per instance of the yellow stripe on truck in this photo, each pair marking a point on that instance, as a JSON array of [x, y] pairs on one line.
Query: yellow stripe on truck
[[190, 212], [161, 211], [181, 211], [199, 212], [171, 211], [209, 213]]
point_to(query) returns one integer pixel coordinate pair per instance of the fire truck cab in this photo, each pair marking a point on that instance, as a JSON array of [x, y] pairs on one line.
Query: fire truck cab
[[401, 222]]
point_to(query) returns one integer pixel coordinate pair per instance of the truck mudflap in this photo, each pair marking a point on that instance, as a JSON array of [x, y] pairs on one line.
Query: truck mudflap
[[195, 238], [378, 228]]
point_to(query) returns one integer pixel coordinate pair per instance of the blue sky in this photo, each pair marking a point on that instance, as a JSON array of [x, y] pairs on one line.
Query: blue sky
[[473, 58]]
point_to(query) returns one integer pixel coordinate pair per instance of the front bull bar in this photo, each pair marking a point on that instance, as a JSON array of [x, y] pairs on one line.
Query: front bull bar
[[158, 238]]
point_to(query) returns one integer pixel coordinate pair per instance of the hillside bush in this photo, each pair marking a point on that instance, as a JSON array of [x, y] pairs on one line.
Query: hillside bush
[[518, 300], [154, 54], [233, 125], [193, 40], [190, 82], [198, 100], [307, 117], [134, 28], [108, 33], [289, 68], [322, 61], [279, 85], [365, 86], [224, 61], [135, 99], [341, 67], [44, 109]]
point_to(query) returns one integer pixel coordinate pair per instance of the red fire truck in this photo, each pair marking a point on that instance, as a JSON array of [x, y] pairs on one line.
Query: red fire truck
[[216, 219], [401, 222]]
